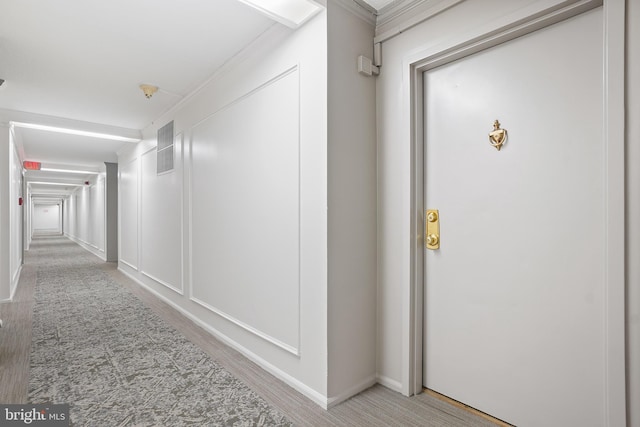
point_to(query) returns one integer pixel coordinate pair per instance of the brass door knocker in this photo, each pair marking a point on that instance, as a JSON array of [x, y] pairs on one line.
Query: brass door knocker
[[498, 136]]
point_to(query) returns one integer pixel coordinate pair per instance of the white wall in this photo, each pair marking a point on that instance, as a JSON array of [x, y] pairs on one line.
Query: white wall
[[352, 206], [97, 227], [5, 214], [85, 217], [5, 246], [633, 212], [68, 215], [11, 215], [128, 201], [47, 217], [28, 218], [17, 217], [238, 236], [160, 222], [395, 238]]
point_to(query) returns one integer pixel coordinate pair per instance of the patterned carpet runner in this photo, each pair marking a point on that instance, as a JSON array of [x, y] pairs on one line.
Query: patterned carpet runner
[[100, 349]]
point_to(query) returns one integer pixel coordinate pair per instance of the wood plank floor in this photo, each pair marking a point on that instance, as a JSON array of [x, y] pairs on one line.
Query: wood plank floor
[[377, 406], [467, 408]]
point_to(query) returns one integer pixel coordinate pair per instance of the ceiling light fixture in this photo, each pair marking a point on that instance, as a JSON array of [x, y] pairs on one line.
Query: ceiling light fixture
[[148, 90], [75, 132], [292, 13], [69, 171]]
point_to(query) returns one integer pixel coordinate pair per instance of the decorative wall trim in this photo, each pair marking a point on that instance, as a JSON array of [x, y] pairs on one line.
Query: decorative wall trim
[[277, 372], [179, 289], [272, 32], [286, 347], [140, 160], [247, 94], [184, 228], [401, 15], [128, 264], [360, 9], [163, 283], [289, 348]]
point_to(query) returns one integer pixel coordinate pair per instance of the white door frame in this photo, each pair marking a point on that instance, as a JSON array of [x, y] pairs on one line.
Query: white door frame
[[538, 15]]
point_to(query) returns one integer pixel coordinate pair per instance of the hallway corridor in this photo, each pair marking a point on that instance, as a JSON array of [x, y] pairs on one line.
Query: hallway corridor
[[121, 357]]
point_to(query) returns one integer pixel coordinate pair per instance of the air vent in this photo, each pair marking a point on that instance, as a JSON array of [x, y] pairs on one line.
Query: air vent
[[165, 148]]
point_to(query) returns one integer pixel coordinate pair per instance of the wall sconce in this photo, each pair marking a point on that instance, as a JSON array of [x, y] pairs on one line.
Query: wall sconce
[[148, 90]]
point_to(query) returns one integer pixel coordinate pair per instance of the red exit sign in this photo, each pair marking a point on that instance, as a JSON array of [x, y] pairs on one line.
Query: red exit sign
[[32, 166]]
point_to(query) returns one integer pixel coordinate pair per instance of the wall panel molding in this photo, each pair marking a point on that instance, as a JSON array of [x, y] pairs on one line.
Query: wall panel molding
[[174, 288], [251, 355], [129, 264], [160, 231], [293, 350], [244, 211]]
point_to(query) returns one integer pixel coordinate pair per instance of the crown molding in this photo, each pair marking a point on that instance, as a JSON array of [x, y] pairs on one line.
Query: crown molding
[[360, 9], [396, 8], [401, 15]]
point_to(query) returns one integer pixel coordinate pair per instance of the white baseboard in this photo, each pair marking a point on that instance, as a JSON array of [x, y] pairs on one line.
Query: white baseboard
[[13, 286], [390, 383], [88, 247], [313, 395], [335, 400], [15, 281]]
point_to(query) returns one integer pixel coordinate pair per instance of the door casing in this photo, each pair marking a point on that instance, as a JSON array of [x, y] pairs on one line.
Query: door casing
[[523, 22]]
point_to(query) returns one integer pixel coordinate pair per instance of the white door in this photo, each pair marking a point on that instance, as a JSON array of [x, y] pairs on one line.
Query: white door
[[514, 297]]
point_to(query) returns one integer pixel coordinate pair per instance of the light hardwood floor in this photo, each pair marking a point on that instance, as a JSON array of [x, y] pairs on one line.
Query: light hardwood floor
[[377, 406]]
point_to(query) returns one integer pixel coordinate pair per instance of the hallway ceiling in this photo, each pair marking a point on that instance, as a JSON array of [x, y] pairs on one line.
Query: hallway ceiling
[[83, 62]]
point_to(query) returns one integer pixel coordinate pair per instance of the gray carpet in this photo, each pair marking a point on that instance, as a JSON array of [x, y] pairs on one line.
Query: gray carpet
[[98, 348]]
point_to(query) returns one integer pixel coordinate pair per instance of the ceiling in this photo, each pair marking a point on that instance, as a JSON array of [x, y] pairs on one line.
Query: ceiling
[[82, 61]]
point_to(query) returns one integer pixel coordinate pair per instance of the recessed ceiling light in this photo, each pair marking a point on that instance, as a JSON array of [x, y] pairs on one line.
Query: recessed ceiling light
[[61, 184], [69, 171], [75, 132], [292, 13]]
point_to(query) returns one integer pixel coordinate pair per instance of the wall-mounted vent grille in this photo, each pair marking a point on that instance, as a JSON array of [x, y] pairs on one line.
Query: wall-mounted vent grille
[[165, 148]]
